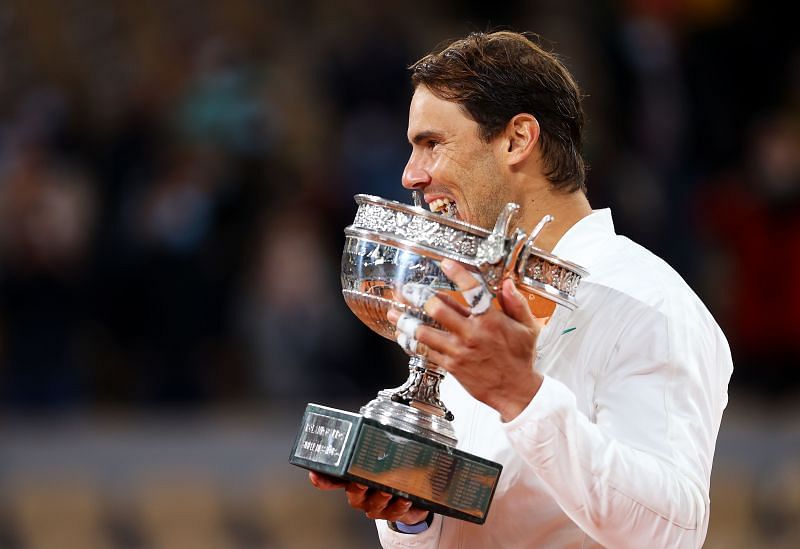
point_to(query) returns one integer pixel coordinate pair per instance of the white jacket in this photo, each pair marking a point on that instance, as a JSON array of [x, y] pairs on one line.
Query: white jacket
[[616, 447]]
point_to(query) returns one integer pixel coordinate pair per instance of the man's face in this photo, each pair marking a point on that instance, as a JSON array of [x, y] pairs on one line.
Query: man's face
[[451, 164]]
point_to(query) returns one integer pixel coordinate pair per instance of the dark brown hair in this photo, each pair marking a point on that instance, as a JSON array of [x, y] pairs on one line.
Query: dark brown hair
[[495, 76]]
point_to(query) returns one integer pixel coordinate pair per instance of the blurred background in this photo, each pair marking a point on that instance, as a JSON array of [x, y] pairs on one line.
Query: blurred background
[[175, 176]]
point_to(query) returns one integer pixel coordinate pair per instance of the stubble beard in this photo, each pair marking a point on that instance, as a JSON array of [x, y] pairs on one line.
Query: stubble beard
[[488, 212]]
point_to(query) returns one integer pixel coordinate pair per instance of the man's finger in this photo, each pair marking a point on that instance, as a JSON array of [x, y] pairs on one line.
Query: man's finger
[[324, 482], [356, 494], [408, 344], [459, 275], [416, 294], [473, 288], [515, 305], [453, 304], [450, 319], [397, 509], [437, 341], [408, 324], [478, 299], [375, 504]]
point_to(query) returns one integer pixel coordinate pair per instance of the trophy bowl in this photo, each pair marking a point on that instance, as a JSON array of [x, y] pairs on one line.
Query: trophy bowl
[[403, 440], [391, 245]]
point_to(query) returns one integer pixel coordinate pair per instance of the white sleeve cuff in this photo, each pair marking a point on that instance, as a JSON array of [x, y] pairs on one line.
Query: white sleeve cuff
[[547, 399], [538, 423]]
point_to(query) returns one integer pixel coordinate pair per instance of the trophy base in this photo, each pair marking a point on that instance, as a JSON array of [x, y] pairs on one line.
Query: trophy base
[[433, 475]]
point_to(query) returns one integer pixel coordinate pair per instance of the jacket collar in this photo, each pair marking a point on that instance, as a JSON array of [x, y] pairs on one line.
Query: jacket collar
[[583, 242]]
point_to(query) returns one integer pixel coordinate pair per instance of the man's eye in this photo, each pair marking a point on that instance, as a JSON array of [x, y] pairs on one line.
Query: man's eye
[[431, 144]]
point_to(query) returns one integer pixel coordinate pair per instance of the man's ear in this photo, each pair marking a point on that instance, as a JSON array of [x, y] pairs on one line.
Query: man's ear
[[520, 138]]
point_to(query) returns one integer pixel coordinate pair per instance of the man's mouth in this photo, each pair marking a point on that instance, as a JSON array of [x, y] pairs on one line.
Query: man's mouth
[[445, 207]]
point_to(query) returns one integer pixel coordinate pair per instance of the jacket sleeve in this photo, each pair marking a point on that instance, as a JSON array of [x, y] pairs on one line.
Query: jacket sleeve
[[634, 471], [391, 539]]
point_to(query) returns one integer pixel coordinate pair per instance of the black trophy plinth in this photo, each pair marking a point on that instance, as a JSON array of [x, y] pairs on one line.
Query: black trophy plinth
[[433, 475]]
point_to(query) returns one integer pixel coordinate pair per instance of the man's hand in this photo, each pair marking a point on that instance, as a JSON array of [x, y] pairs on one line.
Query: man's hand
[[374, 503], [491, 354]]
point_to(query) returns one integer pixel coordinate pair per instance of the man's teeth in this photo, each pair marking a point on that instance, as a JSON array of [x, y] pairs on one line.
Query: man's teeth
[[444, 206], [438, 205]]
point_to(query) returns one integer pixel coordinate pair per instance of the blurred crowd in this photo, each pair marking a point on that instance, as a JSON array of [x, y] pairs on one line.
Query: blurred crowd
[[175, 177]]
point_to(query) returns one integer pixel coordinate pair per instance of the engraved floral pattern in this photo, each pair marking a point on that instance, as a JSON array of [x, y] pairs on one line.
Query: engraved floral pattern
[[483, 250], [557, 276], [419, 229]]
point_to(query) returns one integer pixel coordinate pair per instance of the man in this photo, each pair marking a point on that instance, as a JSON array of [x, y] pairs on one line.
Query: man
[[605, 419]]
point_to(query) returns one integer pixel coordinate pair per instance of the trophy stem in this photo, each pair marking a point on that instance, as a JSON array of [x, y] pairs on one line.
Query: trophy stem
[[421, 389], [415, 405]]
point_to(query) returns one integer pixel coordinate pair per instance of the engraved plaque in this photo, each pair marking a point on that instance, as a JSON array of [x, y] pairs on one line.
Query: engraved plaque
[[322, 439]]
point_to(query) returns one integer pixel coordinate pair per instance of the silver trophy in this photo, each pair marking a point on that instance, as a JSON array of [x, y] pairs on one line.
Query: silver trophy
[[403, 442]]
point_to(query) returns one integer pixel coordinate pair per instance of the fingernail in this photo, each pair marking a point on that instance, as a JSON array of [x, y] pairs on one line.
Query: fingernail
[[393, 315], [361, 486], [447, 265]]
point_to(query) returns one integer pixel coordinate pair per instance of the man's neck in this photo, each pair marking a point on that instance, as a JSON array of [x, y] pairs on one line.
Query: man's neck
[[566, 208]]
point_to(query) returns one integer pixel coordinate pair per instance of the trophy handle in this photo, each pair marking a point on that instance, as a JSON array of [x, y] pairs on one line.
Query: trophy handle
[[503, 224], [492, 250], [522, 247]]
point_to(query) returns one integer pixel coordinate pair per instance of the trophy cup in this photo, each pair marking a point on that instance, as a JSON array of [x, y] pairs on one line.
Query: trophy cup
[[402, 442]]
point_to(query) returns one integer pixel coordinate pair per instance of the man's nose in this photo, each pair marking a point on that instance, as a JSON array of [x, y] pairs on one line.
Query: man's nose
[[415, 177]]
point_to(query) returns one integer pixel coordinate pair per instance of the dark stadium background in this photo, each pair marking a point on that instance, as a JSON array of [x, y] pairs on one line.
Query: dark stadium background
[[175, 176]]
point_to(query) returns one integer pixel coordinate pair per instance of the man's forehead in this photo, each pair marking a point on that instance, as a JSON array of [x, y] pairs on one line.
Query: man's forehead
[[430, 115], [426, 101]]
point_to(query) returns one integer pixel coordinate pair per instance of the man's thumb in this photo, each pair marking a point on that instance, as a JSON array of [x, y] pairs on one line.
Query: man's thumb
[[515, 305]]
